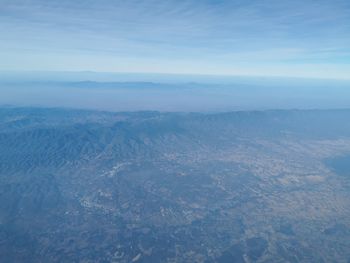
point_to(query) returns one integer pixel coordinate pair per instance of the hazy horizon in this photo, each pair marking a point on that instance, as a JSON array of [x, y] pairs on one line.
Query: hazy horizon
[[164, 92]]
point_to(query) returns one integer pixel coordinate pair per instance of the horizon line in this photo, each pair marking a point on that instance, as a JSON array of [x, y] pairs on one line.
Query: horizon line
[[257, 76]]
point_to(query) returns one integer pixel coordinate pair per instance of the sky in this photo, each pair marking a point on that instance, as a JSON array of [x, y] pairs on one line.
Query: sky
[[299, 38]]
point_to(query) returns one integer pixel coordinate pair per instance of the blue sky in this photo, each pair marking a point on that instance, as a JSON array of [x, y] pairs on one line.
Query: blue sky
[[302, 38]]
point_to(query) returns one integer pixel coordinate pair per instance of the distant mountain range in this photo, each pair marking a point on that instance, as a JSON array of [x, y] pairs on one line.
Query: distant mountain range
[[166, 93]]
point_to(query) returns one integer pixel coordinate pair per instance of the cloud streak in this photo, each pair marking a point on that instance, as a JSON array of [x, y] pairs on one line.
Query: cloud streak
[[226, 33]]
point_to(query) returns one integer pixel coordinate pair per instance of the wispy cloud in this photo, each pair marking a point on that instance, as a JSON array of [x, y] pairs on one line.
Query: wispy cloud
[[227, 33]]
